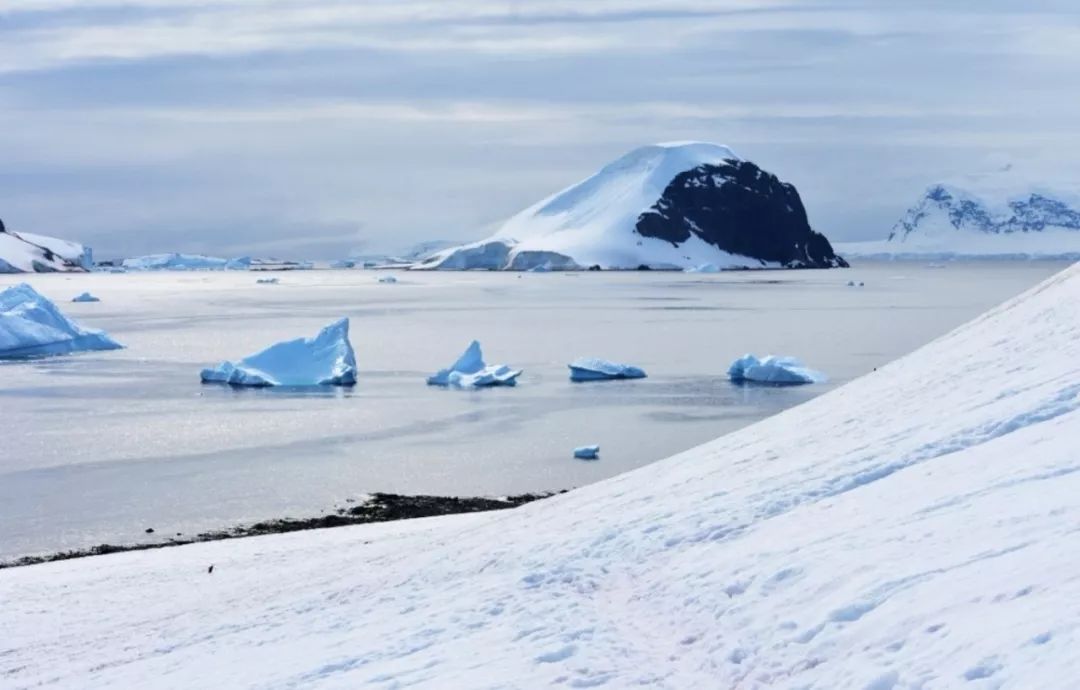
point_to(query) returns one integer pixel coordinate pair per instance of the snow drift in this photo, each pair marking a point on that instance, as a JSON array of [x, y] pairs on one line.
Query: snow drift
[[24, 252], [32, 326], [998, 215], [912, 529], [777, 371], [673, 205], [470, 371], [325, 360]]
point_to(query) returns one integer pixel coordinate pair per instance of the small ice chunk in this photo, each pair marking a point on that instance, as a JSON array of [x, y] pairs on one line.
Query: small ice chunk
[[387, 279], [772, 370], [851, 283], [594, 369], [266, 281], [470, 371], [32, 326], [325, 360], [587, 452], [85, 297]]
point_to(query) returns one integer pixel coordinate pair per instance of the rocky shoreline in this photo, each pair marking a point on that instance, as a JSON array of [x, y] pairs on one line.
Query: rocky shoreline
[[377, 507]]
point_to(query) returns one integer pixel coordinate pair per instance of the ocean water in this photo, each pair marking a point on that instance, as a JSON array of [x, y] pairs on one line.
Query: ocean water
[[98, 447]]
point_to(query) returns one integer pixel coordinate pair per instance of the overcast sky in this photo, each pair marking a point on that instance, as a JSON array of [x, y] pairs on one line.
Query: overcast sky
[[313, 129]]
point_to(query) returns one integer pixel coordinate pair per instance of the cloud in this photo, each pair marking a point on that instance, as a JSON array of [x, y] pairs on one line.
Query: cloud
[[180, 124]]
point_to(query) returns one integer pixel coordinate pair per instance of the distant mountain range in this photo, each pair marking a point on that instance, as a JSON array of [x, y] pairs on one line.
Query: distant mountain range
[[995, 215]]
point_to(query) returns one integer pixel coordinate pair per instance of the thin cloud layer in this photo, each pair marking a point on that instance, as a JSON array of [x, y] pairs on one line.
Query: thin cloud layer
[[314, 128]]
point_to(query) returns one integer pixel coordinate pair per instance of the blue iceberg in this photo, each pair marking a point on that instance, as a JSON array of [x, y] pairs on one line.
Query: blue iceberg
[[387, 279], [470, 371], [778, 371], [325, 360], [32, 326], [593, 369], [266, 281], [85, 297], [186, 262], [587, 452]]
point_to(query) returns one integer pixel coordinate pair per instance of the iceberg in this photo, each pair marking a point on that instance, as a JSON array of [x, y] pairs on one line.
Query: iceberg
[[85, 297], [32, 326], [325, 360], [587, 452], [780, 371], [266, 281], [387, 279], [593, 369], [470, 371]]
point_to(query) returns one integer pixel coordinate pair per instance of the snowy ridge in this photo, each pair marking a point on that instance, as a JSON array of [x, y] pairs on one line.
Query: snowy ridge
[[24, 252], [861, 540]]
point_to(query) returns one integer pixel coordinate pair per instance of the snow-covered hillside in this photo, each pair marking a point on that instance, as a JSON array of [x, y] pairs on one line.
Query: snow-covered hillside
[[913, 529], [672, 205], [24, 252], [998, 214]]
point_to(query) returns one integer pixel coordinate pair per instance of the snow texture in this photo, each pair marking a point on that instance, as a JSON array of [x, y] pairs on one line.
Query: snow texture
[[587, 452], [777, 371], [470, 371], [185, 262], [85, 297], [914, 529], [24, 252], [593, 369], [32, 326], [592, 222], [325, 360]]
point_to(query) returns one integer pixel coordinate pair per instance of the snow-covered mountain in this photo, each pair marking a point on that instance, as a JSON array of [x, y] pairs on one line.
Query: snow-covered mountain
[[998, 214], [23, 252], [673, 205], [863, 540]]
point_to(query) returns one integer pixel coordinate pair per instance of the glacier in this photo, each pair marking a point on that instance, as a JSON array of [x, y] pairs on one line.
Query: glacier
[[185, 262], [664, 206], [24, 252], [772, 370], [325, 360], [470, 371], [32, 326], [85, 297], [863, 540], [594, 369]]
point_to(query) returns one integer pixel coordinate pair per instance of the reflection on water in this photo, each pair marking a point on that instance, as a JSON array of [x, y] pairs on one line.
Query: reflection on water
[[108, 444]]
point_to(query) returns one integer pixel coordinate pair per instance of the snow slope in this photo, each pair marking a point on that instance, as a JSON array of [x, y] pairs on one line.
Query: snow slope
[[1001, 214], [26, 252], [864, 540], [592, 222]]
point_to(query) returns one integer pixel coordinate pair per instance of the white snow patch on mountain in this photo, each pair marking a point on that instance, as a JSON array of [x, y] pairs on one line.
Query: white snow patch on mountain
[[912, 529], [24, 252]]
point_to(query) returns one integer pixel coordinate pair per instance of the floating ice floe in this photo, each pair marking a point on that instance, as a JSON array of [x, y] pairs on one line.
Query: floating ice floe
[[85, 297], [852, 283], [387, 279], [470, 371], [325, 360], [266, 281], [772, 370], [593, 369], [587, 452], [32, 326]]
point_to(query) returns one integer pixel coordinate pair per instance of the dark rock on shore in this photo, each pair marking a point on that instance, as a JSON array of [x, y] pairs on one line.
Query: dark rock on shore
[[378, 507], [739, 208]]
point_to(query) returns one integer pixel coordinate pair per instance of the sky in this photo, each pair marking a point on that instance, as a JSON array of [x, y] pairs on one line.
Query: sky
[[319, 129]]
